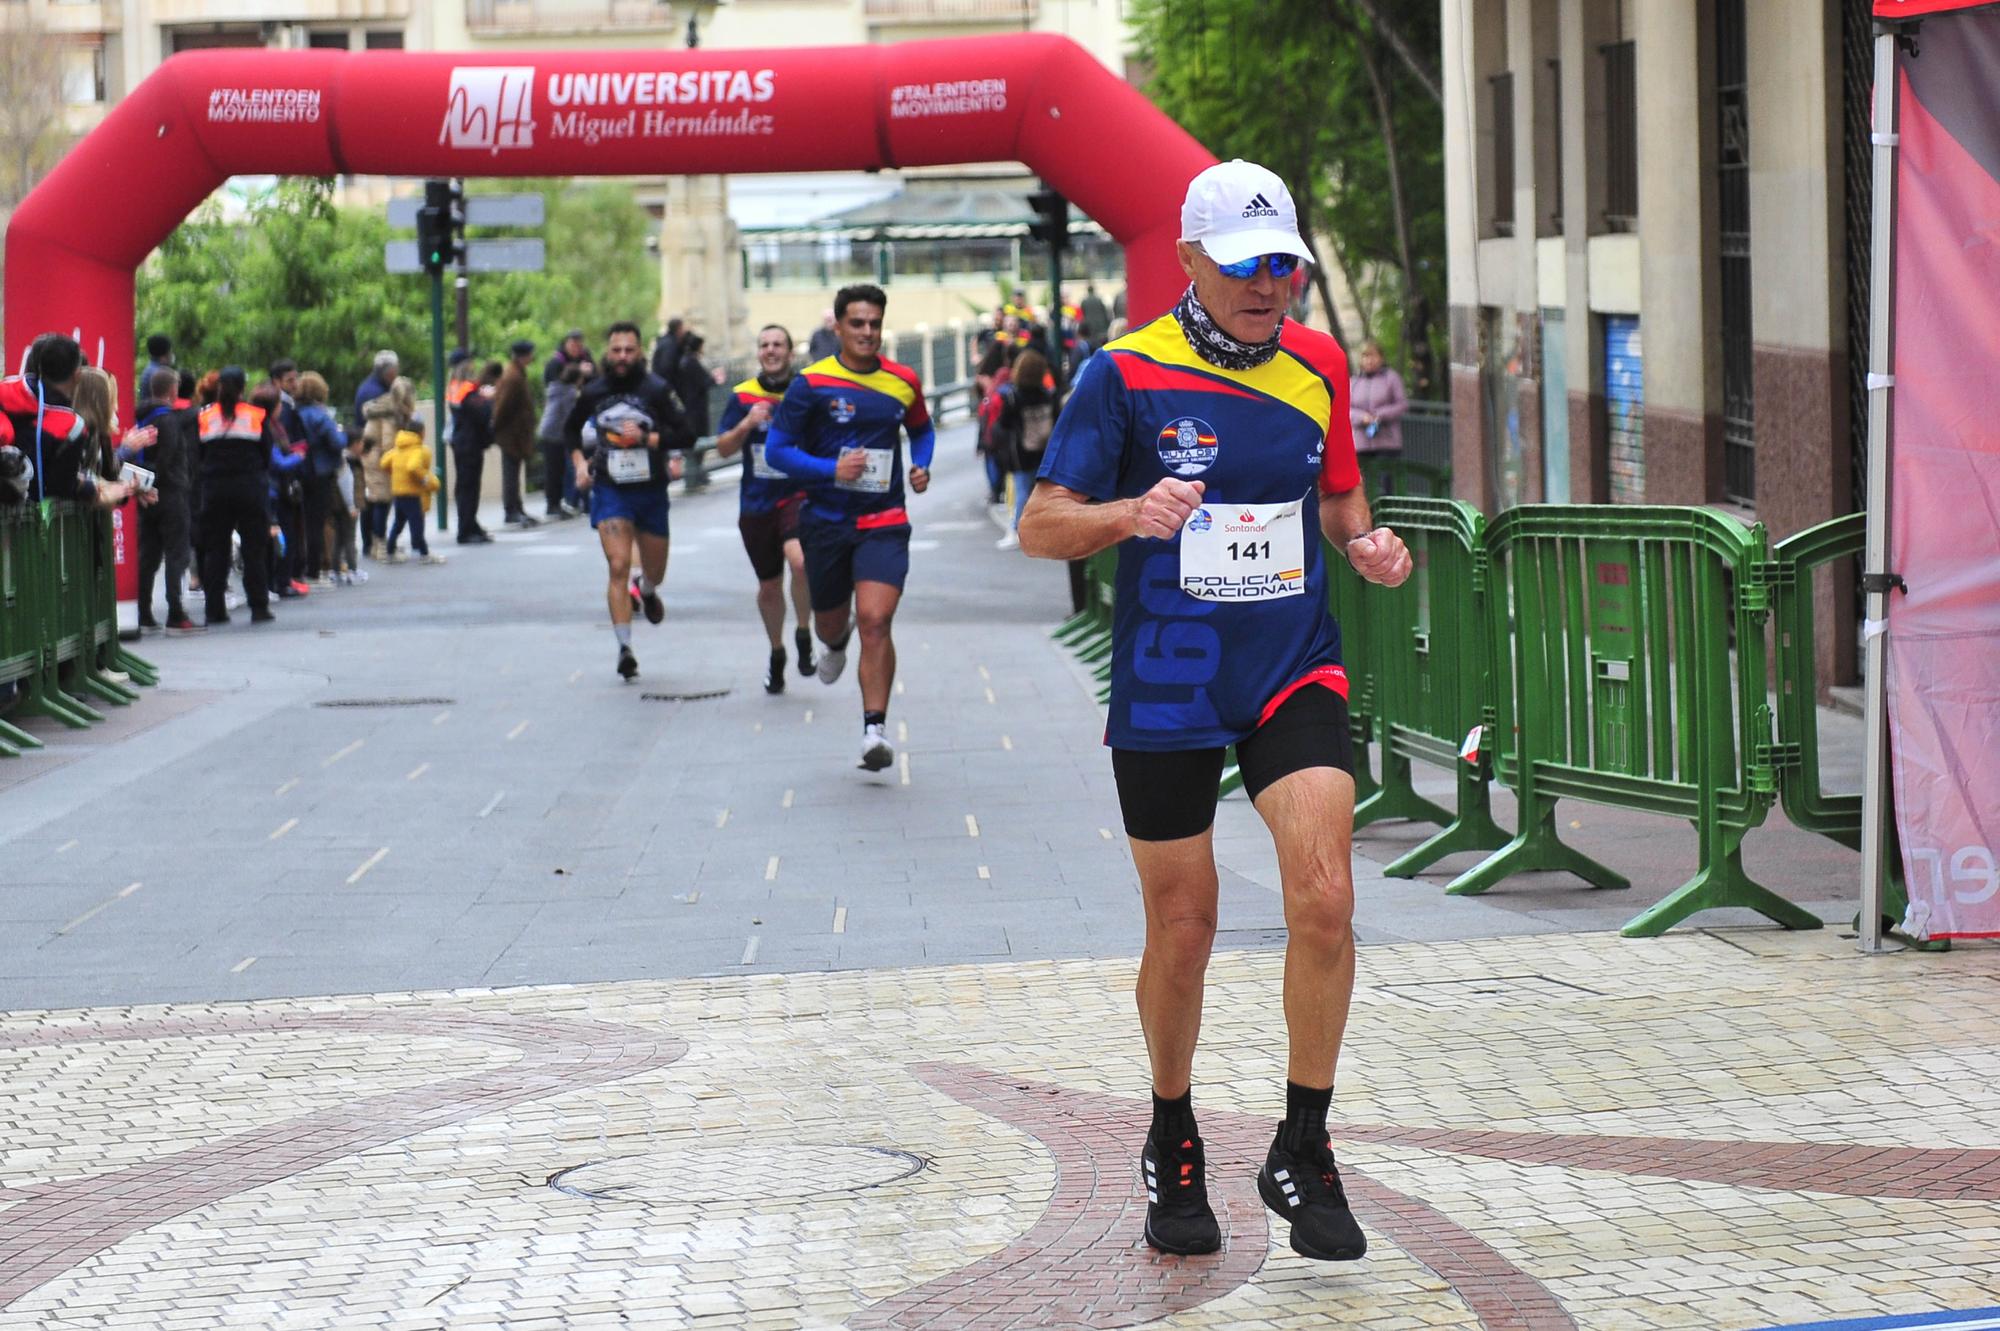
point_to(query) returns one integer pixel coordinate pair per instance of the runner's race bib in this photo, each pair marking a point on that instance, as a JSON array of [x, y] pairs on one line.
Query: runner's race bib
[[874, 478], [761, 469], [628, 466], [1244, 552]]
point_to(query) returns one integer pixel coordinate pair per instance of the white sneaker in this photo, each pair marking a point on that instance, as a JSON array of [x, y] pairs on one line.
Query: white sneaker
[[876, 752], [1011, 541], [433, 559], [831, 663]]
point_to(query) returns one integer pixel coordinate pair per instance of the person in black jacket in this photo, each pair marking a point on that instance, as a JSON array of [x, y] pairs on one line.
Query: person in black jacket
[[622, 434], [163, 525], [471, 434], [236, 439], [691, 383]]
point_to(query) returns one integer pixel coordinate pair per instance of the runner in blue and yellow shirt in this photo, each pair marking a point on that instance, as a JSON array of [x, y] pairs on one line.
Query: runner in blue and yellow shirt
[[1212, 448], [839, 429], [769, 502]]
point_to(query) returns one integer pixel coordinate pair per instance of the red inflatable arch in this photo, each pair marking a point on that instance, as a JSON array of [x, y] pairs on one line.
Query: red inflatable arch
[[202, 116]]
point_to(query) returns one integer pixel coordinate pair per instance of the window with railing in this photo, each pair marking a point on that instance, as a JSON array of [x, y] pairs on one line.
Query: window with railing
[[1501, 102], [949, 11], [1555, 137], [487, 16], [1621, 137]]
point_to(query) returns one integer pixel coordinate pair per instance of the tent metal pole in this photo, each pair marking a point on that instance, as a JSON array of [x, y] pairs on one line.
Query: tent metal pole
[[1881, 307]]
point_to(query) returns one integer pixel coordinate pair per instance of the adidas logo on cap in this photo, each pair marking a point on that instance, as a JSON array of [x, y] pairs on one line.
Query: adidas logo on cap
[[1260, 206]]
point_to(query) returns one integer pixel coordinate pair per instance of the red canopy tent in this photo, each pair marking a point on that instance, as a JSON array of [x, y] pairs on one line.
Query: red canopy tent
[[1932, 568]]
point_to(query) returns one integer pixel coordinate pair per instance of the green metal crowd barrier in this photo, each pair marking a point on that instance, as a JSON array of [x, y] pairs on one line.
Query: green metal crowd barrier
[[1611, 654], [1427, 646], [59, 620], [1385, 474], [1614, 683]]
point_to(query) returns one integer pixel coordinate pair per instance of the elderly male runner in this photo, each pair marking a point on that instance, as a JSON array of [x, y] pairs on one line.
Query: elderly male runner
[[1202, 445], [839, 431]]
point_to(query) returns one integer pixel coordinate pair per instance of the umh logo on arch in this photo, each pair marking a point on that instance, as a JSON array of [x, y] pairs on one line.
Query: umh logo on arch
[[490, 107]]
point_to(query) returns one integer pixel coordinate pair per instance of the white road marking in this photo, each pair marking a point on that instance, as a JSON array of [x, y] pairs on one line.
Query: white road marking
[[924, 545], [441, 717], [575, 675], [758, 728], [1104, 832], [515, 733], [903, 761], [971, 825], [106, 904], [1006, 743], [771, 870], [694, 895], [786, 802], [749, 951], [840, 919], [722, 820], [984, 872], [418, 771], [899, 688], [955, 524], [282, 789], [493, 803], [66, 847], [366, 865], [343, 753], [809, 716], [243, 965], [283, 828], [902, 732], [990, 697], [983, 673]]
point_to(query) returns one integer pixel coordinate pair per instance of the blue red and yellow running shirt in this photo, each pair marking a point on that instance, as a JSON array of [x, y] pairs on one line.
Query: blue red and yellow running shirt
[[763, 486], [828, 409], [1188, 673]]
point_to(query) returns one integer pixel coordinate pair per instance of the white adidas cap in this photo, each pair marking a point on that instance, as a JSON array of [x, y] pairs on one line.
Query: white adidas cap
[[1238, 210]]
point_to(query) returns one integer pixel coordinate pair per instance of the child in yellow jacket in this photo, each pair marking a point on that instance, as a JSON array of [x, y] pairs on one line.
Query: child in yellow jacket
[[412, 478]]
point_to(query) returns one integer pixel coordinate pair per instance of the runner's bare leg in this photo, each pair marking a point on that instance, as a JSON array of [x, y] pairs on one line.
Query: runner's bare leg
[[874, 611], [1311, 817], [615, 536], [1177, 879]]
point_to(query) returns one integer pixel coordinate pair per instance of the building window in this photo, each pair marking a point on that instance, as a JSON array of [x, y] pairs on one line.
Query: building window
[[1621, 137], [1732, 165], [83, 75], [327, 41], [385, 41], [1501, 88], [1556, 136]]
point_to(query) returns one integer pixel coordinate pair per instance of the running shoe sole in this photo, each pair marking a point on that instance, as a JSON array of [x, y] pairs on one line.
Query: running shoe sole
[[656, 609], [877, 756], [1194, 1250], [628, 666], [1275, 1200]]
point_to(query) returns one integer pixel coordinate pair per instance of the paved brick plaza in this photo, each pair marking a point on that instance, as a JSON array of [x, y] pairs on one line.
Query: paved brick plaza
[[1703, 1131]]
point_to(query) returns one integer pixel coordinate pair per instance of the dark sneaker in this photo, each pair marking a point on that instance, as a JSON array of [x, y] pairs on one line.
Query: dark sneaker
[[1178, 1216], [179, 624], [215, 619], [803, 640], [1304, 1187], [148, 623], [650, 602], [774, 674], [628, 664], [262, 617]]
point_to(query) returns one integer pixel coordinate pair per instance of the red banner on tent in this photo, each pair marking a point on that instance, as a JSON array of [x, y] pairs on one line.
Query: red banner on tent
[[1943, 677]]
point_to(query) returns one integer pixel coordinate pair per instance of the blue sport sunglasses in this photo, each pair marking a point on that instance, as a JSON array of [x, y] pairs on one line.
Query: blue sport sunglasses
[[1282, 265]]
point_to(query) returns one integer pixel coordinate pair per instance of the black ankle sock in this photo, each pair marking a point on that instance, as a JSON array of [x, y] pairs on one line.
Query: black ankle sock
[[1173, 1120], [1305, 1116], [874, 719], [777, 656], [804, 639]]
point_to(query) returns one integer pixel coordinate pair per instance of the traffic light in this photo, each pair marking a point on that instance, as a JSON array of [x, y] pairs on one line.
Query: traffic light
[[1051, 224], [440, 225]]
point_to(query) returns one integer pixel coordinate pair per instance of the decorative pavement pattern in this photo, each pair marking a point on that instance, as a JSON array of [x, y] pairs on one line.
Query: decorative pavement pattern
[[1709, 1130]]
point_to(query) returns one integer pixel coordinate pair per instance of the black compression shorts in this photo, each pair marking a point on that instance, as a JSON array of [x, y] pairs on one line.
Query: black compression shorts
[[1166, 796]]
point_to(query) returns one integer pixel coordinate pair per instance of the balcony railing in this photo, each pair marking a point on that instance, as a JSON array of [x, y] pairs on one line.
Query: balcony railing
[[523, 16], [950, 11]]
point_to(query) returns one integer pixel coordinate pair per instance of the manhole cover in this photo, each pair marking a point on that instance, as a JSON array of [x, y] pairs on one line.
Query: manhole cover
[[695, 1174], [386, 702], [685, 695]]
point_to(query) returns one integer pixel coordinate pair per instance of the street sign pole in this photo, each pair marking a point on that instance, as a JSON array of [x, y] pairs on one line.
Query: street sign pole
[[437, 394]]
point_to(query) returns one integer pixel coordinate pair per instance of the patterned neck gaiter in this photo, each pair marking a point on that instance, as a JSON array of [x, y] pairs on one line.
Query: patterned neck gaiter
[[1215, 346]]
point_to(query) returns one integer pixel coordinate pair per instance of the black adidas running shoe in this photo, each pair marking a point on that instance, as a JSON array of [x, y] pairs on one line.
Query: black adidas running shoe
[[1178, 1216], [1304, 1187], [628, 664]]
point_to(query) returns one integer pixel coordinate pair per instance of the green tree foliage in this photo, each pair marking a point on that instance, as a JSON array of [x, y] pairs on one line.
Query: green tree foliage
[[299, 277], [1323, 94]]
